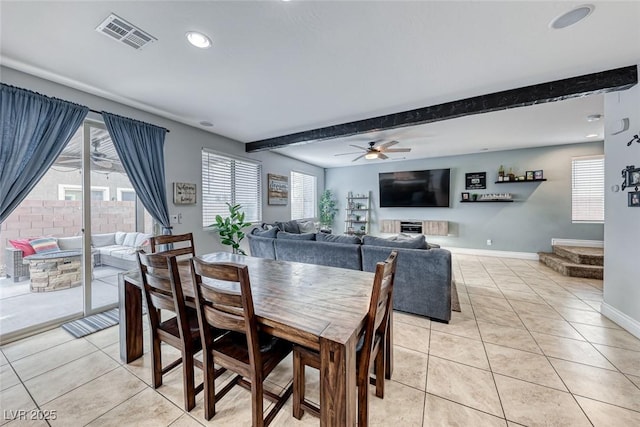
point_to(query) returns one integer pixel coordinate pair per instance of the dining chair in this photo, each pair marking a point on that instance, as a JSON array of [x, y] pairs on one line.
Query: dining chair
[[370, 348], [181, 244], [245, 350], [163, 291]]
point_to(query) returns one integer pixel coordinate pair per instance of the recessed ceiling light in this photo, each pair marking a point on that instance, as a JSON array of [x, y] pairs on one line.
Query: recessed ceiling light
[[206, 124], [594, 117], [198, 39], [592, 135], [574, 16]]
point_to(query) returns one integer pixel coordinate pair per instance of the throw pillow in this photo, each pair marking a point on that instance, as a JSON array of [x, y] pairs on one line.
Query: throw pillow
[[271, 233], [294, 236], [45, 245], [130, 239], [289, 226], [119, 237], [106, 239], [415, 243], [337, 238], [306, 227], [23, 245]]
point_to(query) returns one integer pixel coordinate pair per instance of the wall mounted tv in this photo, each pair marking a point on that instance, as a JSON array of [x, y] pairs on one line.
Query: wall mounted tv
[[420, 189]]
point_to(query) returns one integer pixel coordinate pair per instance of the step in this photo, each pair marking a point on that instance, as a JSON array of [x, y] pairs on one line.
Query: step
[[569, 268], [581, 255]]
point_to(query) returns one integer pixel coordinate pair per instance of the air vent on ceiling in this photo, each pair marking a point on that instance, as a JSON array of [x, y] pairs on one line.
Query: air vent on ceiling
[[125, 32]]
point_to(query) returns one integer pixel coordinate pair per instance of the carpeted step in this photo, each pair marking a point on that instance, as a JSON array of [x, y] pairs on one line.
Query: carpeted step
[[580, 255], [569, 268]]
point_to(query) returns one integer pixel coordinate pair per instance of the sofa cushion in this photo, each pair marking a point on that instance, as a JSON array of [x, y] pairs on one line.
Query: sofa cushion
[[24, 245], [142, 240], [272, 232], [414, 243], [294, 236], [44, 245], [98, 240], [307, 226], [338, 238], [120, 235], [130, 239], [289, 226], [70, 243]]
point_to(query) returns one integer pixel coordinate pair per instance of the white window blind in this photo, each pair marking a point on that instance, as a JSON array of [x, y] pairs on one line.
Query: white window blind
[[303, 195], [587, 189], [229, 180]]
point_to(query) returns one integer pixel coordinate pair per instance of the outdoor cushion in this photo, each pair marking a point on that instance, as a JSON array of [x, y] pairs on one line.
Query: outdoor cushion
[[337, 238], [141, 240], [70, 243], [289, 226], [296, 236], [44, 245], [98, 240], [307, 226], [130, 239], [272, 232], [23, 245], [120, 235], [414, 243]]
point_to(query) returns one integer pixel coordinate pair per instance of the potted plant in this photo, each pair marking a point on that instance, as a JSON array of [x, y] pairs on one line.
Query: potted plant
[[230, 228], [328, 210]]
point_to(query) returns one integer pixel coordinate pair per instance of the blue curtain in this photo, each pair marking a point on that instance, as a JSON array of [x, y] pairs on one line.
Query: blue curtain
[[140, 147], [34, 130]]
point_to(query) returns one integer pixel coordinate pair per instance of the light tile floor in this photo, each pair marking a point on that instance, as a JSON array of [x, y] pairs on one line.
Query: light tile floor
[[529, 348]]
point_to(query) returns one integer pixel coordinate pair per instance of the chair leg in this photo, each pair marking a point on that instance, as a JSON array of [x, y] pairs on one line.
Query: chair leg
[[256, 402], [156, 356], [209, 386], [188, 381], [363, 403], [380, 373], [298, 385]]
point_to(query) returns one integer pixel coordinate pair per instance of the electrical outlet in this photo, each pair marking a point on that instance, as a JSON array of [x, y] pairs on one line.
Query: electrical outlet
[[174, 219], [489, 242]]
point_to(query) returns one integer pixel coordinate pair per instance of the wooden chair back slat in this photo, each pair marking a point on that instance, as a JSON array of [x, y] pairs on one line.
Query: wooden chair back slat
[[222, 320], [220, 297], [182, 244]]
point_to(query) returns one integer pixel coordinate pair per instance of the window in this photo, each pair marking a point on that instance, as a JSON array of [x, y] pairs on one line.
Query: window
[[587, 189], [303, 195], [126, 194], [74, 192], [229, 180]]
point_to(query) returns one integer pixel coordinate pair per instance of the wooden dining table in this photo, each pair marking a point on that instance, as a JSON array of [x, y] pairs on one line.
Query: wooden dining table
[[319, 307]]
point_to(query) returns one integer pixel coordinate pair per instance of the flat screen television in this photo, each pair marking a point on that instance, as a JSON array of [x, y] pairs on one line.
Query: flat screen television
[[420, 189]]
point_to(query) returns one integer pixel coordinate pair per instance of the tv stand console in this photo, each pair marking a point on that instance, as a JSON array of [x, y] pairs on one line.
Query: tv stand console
[[429, 228]]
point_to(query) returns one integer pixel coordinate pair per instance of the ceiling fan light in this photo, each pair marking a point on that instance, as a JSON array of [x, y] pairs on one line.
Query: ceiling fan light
[[371, 156]]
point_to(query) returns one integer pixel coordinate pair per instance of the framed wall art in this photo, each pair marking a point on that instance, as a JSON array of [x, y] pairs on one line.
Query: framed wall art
[[475, 180], [184, 193], [278, 189], [634, 199]]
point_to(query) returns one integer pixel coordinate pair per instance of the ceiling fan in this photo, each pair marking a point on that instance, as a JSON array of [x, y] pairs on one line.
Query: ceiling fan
[[97, 157], [376, 151]]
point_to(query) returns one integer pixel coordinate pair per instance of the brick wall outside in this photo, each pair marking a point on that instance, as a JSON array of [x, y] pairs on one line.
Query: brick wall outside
[[63, 218]]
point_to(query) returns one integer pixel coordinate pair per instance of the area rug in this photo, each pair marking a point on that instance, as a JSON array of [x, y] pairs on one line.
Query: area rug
[[91, 324], [455, 303]]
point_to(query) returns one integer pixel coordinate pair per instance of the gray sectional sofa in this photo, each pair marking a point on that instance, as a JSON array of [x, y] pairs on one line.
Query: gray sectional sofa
[[423, 273]]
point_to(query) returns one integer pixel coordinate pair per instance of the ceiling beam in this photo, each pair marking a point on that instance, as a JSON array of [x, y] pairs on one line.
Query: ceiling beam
[[574, 87]]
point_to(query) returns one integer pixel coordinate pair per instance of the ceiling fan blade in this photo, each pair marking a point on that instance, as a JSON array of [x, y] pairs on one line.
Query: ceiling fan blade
[[357, 146], [382, 156], [398, 150], [345, 154], [383, 147], [359, 157]]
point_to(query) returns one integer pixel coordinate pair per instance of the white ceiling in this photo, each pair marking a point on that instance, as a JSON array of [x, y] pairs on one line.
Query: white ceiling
[[281, 67]]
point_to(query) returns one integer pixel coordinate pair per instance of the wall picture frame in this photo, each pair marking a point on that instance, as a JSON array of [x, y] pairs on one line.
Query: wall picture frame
[[475, 180], [539, 174], [465, 197], [277, 190], [184, 193], [633, 177], [634, 199], [529, 176]]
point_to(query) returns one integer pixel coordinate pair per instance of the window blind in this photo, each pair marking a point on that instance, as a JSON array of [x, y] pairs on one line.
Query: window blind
[[303, 195], [229, 180], [587, 189]]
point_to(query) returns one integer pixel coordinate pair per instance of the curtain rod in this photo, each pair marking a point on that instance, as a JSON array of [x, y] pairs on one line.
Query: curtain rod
[[100, 112]]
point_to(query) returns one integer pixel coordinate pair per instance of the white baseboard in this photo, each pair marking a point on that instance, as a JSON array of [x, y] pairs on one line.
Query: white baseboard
[[626, 322], [499, 254], [576, 242]]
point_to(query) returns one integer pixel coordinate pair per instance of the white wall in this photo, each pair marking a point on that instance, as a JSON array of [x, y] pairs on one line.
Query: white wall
[[622, 223], [542, 211], [183, 147]]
